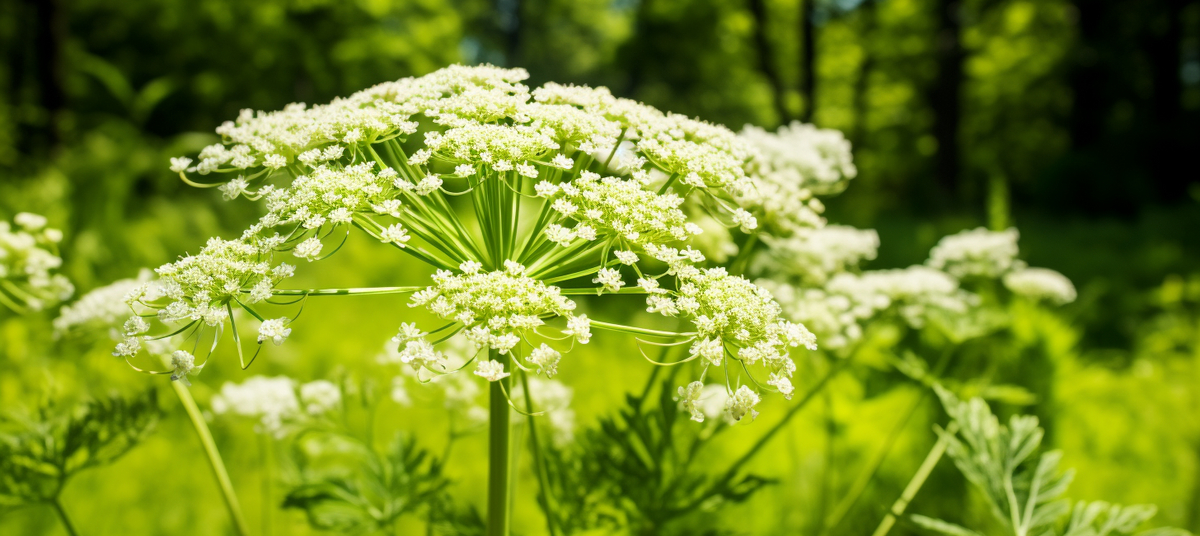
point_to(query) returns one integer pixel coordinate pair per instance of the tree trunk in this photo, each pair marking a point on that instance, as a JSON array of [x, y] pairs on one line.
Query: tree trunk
[[808, 60], [766, 59], [1087, 77], [1167, 152], [50, 32], [863, 83], [946, 96], [508, 18]]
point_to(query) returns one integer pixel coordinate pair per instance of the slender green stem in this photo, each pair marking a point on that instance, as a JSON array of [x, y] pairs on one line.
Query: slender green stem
[[499, 501], [538, 462], [795, 409], [738, 266], [860, 484], [365, 291], [662, 356], [918, 480], [641, 331], [62, 515], [214, 458], [592, 291], [267, 502]]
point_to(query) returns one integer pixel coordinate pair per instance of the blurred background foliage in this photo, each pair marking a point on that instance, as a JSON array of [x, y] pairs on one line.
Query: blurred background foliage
[[1076, 121]]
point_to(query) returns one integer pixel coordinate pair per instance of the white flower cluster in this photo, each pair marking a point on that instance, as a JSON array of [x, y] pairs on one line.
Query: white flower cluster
[[617, 208], [28, 260], [836, 309], [710, 401], [914, 292], [1041, 284], [489, 120], [977, 253], [833, 318], [276, 402], [201, 285], [554, 399], [790, 167], [460, 394], [201, 288], [815, 255], [733, 317], [697, 154], [496, 308], [332, 196], [817, 159], [102, 308]]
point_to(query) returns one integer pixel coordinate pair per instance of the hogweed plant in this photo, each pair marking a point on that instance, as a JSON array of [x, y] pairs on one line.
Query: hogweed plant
[[522, 201], [29, 261]]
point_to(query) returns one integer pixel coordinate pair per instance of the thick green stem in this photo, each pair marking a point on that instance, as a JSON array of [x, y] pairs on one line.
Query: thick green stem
[[918, 480], [538, 462], [499, 500], [214, 458], [62, 515]]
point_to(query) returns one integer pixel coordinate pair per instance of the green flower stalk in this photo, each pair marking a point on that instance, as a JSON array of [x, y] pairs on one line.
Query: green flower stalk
[[522, 201]]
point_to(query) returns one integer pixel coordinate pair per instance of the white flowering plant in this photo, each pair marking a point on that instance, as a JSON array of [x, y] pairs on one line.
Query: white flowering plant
[[29, 262], [521, 200]]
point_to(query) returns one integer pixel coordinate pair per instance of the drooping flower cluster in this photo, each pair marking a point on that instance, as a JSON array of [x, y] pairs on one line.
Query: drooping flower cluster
[[277, 402], [204, 288], [28, 262]]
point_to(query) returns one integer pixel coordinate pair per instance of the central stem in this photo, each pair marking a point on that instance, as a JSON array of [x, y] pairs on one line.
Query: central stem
[[499, 500]]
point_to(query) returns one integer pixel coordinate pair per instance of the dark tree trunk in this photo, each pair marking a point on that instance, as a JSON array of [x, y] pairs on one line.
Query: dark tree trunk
[[946, 97], [1171, 139], [863, 83], [508, 18], [633, 58], [766, 58], [808, 60], [49, 34], [1088, 77]]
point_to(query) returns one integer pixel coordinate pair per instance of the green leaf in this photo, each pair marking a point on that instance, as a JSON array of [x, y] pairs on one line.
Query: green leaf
[[40, 453]]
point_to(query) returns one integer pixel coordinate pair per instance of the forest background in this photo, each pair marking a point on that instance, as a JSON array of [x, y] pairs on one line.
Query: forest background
[[1076, 121]]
